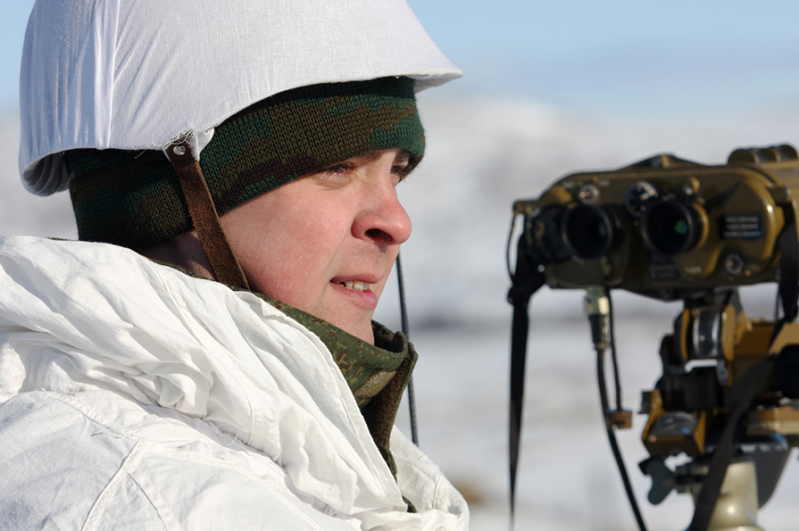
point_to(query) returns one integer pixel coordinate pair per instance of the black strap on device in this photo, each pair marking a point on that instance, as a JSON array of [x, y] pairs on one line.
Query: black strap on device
[[527, 278], [789, 295]]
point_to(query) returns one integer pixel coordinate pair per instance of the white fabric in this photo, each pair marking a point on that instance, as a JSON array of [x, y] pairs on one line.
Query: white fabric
[[137, 397], [136, 75]]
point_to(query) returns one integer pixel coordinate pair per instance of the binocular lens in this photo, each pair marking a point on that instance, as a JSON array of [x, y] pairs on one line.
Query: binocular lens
[[671, 228], [588, 231]]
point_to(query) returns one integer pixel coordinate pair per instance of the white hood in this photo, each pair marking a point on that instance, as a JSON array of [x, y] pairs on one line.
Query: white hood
[[136, 75], [81, 317]]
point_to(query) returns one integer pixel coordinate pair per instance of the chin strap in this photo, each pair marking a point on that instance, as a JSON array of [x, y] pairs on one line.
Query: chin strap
[[203, 214], [527, 278]]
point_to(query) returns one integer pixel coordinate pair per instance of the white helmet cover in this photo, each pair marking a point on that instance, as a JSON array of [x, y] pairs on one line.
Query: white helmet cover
[[136, 75]]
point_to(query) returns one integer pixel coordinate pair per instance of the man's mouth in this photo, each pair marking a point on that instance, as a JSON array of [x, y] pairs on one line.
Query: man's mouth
[[356, 285]]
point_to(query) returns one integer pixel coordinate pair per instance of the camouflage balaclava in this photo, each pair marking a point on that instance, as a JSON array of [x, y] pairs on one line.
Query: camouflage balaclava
[[134, 199]]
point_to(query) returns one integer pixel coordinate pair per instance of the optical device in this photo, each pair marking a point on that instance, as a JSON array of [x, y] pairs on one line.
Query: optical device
[[671, 229]]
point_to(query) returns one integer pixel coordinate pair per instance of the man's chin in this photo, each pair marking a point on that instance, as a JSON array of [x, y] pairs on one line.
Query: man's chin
[[359, 326]]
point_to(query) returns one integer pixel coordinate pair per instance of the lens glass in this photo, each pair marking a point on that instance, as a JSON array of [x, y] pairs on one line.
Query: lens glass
[[588, 231], [670, 227]]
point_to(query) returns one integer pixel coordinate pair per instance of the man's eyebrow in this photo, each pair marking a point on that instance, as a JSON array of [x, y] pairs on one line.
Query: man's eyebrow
[[372, 155]]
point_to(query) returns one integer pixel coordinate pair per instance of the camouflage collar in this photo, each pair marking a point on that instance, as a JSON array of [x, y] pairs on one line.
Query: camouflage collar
[[367, 368]]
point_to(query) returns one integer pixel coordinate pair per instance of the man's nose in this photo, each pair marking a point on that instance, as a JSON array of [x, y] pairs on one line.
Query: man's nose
[[382, 218]]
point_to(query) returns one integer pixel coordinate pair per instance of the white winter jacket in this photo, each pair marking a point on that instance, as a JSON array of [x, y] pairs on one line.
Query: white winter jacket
[[136, 397]]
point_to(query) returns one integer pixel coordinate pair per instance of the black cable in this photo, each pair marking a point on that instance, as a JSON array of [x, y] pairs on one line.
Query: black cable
[[412, 407], [596, 327], [404, 319], [612, 334]]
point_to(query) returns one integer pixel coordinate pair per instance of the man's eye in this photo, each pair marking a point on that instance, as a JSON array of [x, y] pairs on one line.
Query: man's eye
[[334, 176], [338, 168], [402, 170]]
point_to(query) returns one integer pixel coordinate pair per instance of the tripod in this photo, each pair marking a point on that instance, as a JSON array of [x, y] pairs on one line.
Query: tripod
[[718, 361]]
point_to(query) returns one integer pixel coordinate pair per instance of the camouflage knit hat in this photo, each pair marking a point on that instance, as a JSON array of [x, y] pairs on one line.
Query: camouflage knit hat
[[134, 198]]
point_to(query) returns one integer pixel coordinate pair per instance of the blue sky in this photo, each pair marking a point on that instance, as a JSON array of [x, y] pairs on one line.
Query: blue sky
[[13, 18], [635, 57], [620, 57]]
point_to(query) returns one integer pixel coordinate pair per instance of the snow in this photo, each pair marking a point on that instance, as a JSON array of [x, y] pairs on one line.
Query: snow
[[484, 153]]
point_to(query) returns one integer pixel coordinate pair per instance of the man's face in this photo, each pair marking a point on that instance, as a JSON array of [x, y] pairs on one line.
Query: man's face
[[325, 243]]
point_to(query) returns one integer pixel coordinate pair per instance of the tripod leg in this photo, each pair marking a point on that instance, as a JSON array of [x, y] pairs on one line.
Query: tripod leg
[[736, 507]]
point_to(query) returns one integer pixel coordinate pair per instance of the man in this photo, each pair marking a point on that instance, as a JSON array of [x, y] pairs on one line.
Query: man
[[256, 146]]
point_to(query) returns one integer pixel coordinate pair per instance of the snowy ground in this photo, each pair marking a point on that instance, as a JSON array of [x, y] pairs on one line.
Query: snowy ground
[[482, 155]]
